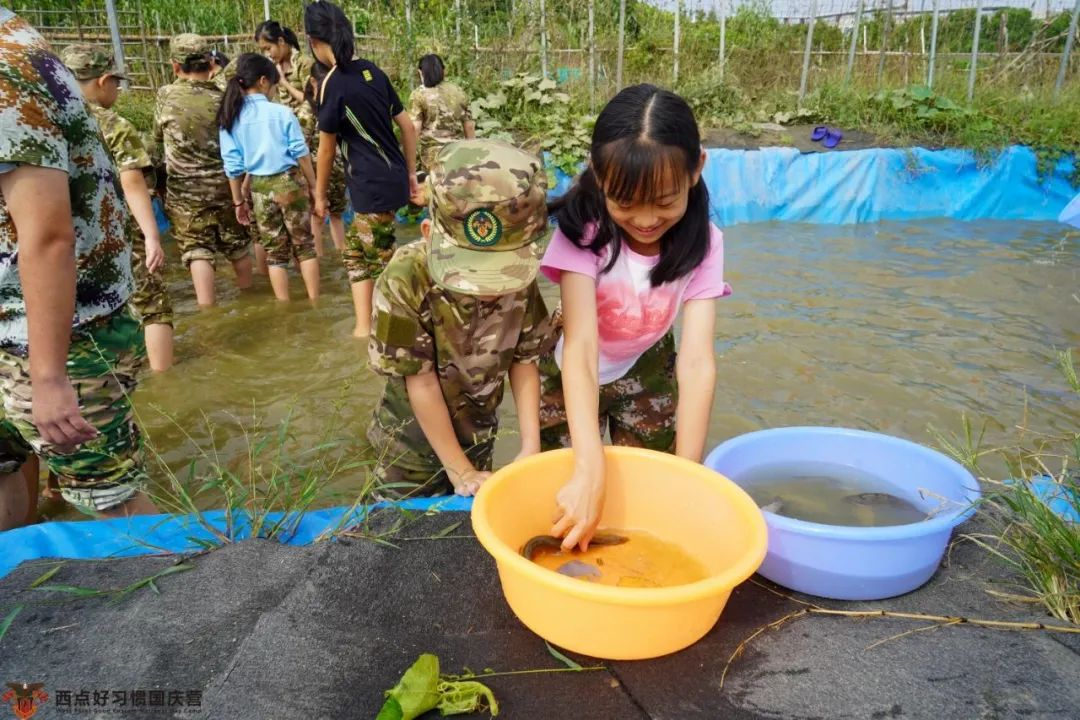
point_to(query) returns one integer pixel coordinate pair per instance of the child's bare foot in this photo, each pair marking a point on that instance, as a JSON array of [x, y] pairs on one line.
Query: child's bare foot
[[361, 332]]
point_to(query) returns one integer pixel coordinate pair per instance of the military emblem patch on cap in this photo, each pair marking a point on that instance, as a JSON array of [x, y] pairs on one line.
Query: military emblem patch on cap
[[482, 228]]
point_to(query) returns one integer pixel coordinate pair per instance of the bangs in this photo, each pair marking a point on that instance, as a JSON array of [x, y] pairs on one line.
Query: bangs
[[634, 170]]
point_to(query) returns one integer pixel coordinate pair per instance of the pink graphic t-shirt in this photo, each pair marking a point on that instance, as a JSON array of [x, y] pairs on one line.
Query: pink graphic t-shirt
[[631, 315]]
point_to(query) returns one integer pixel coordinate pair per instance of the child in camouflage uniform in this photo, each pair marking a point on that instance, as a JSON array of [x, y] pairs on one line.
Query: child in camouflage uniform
[[439, 109], [336, 200], [358, 108], [263, 141], [100, 84], [454, 313], [62, 216], [199, 202]]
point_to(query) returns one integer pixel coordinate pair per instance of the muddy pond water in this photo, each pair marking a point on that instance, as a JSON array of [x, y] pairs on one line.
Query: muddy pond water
[[888, 327]]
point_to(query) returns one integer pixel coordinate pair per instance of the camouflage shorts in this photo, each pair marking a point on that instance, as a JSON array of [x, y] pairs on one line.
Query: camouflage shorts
[[405, 463], [638, 409], [103, 361], [283, 215], [335, 194], [202, 230], [151, 300], [369, 245]]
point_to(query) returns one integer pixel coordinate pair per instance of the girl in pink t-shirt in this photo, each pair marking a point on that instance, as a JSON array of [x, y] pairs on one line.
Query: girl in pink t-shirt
[[634, 246]]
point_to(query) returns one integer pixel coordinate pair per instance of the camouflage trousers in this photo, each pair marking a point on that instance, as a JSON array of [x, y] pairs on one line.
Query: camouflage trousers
[[205, 227], [283, 216], [369, 245], [103, 361], [336, 192], [151, 300], [405, 463], [638, 409]]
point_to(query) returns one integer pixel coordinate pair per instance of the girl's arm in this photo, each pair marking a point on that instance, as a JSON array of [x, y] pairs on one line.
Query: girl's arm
[[324, 166], [582, 498], [239, 200], [525, 385], [695, 372], [408, 146], [429, 406], [138, 199]]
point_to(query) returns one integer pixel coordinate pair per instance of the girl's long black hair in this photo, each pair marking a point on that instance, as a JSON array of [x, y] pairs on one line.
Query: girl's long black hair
[[642, 135], [272, 31], [432, 70], [311, 90], [325, 21], [249, 68]]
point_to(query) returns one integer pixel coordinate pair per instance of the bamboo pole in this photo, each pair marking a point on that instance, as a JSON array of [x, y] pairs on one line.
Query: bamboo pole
[[854, 41], [592, 55], [266, 9], [884, 43], [806, 53], [675, 47], [114, 31], [543, 40], [723, 37], [1068, 50], [622, 45], [975, 51], [933, 43]]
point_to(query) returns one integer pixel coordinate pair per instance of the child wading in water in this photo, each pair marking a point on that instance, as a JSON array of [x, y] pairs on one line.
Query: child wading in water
[[357, 103], [455, 313], [264, 140], [634, 245]]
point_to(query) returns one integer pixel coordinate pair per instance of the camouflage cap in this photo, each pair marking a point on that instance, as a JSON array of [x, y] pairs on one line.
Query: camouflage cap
[[488, 210], [89, 62], [187, 46]]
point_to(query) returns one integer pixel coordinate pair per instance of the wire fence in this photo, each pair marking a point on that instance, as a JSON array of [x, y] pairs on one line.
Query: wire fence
[[594, 47]]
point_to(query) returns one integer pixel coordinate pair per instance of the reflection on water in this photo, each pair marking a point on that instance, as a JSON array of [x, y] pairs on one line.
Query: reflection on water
[[886, 327]]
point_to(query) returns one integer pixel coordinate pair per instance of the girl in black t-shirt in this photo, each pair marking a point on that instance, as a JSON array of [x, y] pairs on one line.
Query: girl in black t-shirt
[[356, 106]]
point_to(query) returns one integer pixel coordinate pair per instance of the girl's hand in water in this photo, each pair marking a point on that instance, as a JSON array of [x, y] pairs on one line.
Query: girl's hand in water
[[579, 504], [468, 483]]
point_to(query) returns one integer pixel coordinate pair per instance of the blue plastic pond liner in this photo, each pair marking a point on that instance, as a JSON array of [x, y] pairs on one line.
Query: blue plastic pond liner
[[1071, 214], [1055, 496], [154, 534], [840, 188]]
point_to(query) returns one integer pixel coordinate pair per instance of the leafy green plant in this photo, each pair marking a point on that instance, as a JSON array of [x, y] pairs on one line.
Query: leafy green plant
[[422, 689], [919, 101]]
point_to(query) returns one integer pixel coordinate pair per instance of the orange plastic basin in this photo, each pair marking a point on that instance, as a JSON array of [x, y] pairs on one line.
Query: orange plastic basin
[[677, 500]]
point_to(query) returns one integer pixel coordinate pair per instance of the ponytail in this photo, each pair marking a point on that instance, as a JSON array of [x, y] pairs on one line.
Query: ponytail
[[325, 21], [250, 68], [272, 31]]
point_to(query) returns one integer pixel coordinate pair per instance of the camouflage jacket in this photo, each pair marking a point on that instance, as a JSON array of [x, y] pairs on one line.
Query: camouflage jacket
[[45, 122], [417, 327], [185, 126], [442, 111]]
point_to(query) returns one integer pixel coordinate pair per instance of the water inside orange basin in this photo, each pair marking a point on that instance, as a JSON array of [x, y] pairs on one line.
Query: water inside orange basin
[[644, 561]]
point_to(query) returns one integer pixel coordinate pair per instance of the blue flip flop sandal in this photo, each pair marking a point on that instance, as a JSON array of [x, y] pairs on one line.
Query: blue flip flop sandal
[[832, 138], [819, 133]]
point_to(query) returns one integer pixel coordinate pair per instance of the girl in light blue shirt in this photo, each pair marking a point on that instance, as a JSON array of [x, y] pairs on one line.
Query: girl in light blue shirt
[[263, 141]]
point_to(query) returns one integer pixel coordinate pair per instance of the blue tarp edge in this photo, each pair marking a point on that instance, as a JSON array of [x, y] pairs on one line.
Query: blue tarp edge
[[857, 186], [158, 534]]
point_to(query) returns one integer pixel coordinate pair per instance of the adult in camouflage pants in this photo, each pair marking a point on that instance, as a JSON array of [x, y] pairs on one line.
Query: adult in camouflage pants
[[457, 313], [199, 202], [62, 214], [638, 409], [100, 84]]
